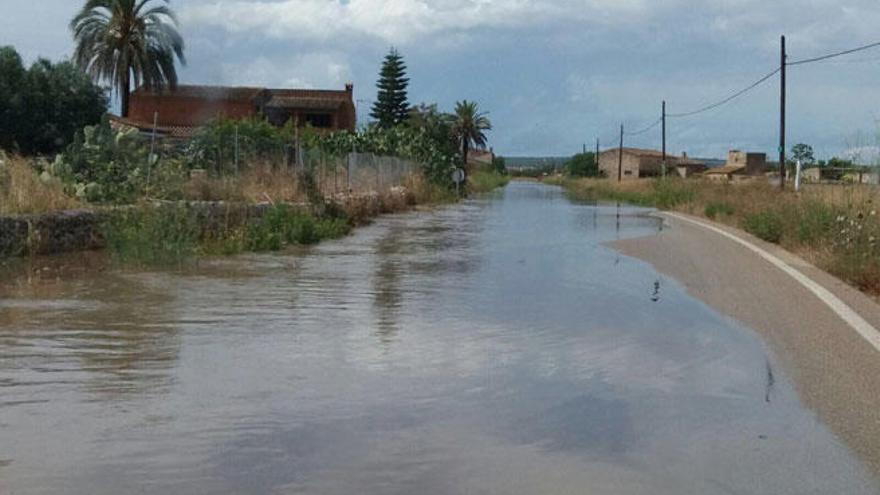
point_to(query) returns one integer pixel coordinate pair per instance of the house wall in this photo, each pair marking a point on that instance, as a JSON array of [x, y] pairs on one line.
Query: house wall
[[608, 164], [755, 163], [186, 111]]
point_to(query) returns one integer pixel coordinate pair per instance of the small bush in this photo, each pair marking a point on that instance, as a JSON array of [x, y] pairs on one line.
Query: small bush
[[816, 222], [766, 225], [149, 234], [714, 209]]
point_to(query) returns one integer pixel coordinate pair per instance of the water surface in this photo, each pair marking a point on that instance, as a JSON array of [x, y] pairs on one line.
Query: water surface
[[490, 347]]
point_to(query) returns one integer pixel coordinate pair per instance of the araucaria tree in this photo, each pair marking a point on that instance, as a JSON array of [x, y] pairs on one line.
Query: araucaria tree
[[469, 127], [391, 107], [128, 41]]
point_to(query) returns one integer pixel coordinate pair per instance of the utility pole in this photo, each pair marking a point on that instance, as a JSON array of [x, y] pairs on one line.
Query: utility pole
[[596, 158], [663, 118], [620, 157], [783, 61], [585, 149]]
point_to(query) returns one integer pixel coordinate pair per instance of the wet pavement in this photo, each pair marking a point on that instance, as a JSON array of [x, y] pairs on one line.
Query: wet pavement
[[496, 346]]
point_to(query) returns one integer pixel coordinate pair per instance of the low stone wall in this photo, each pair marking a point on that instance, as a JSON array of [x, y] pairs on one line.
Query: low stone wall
[[52, 233]]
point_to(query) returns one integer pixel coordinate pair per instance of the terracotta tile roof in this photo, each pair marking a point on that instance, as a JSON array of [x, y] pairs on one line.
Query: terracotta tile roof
[[304, 103]]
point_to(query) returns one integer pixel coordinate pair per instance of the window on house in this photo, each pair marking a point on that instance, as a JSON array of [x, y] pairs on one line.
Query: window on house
[[320, 120], [628, 172]]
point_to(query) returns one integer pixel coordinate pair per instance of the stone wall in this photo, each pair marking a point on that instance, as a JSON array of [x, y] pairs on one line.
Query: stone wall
[[81, 230], [53, 233]]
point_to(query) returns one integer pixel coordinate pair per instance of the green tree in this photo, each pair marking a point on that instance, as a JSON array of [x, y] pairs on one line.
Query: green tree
[[499, 165], [469, 127], [804, 153], [391, 107], [12, 82], [125, 41], [61, 100], [582, 165], [42, 109], [436, 124]]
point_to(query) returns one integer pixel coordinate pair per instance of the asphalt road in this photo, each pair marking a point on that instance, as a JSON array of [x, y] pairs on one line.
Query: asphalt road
[[835, 368]]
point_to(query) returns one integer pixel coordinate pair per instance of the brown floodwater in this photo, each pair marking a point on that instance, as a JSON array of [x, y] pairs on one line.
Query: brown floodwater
[[491, 347]]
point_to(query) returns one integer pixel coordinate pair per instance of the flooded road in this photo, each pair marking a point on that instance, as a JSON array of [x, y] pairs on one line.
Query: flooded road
[[490, 347]]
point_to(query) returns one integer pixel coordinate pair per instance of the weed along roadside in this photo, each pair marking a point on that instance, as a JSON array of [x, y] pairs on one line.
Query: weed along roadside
[[835, 227]]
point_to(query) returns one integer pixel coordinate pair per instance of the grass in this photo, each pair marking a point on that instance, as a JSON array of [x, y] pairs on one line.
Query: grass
[[837, 227], [481, 181], [170, 233], [23, 191]]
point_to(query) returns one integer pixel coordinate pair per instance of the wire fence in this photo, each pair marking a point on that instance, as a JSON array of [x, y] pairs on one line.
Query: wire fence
[[356, 173]]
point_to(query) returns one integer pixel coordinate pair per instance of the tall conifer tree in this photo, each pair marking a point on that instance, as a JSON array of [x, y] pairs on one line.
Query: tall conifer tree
[[391, 107]]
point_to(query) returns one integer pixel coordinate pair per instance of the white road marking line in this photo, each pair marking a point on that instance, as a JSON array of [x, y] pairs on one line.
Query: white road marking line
[[846, 313]]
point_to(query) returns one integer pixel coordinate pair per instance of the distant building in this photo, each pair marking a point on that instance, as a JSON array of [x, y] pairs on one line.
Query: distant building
[[179, 113], [644, 163], [481, 158], [739, 164], [813, 174]]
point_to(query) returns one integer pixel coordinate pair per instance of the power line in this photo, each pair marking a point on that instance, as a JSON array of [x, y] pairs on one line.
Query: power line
[[646, 129], [833, 55], [728, 99]]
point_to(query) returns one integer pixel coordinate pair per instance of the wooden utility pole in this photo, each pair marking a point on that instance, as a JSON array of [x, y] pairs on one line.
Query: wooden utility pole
[[782, 116], [620, 157], [663, 118], [596, 158]]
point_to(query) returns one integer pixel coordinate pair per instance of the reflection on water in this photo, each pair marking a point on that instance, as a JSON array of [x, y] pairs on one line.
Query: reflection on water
[[490, 347]]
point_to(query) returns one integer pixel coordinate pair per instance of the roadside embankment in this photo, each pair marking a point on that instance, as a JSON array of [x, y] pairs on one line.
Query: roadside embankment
[[834, 367], [169, 230], [835, 227]]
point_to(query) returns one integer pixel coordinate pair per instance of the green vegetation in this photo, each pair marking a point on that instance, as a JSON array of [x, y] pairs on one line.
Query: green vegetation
[[128, 41], [663, 193], [582, 165], [765, 224], [469, 128], [42, 108], [480, 181], [835, 226], [171, 233], [716, 208], [391, 107], [804, 153]]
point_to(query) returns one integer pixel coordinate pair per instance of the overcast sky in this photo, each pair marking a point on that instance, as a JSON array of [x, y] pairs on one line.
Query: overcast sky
[[552, 74]]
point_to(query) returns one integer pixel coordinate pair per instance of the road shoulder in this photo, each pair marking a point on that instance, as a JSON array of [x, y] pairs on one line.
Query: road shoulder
[[835, 370]]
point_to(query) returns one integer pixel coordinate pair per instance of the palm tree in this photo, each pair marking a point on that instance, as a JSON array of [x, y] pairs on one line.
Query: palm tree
[[125, 41], [468, 127]]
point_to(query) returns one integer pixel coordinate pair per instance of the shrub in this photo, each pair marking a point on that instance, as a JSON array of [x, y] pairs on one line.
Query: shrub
[[815, 222], [714, 209], [766, 225], [150, 234]]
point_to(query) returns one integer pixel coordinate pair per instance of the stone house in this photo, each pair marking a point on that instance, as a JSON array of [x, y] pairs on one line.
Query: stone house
[[639, 162], [179, 113], [739, 164]]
